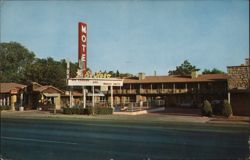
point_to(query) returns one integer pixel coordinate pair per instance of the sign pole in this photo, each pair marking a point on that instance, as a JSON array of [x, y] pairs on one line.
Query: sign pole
[[93, 99], [70, 98], [84, 96]]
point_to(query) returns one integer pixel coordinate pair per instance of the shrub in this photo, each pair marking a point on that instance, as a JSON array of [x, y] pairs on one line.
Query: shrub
[[87, 111], [100, 110], [67, 110], [6, 107], [206, 109], [227, 109], [104, 111]]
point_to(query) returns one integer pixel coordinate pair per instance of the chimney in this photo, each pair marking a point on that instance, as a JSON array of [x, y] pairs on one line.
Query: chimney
[[194, 74], [154, 73], [141, 76]]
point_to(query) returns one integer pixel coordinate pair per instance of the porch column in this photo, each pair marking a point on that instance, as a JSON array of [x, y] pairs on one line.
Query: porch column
[[130, 88], [198, 87], [186, 89], [162, 88], [70, 98], [111, 94], [229, 97], [140, 88], [4, 101], [151, 88], [93, 97], [21, 102], [13, 101], [8, 100], [173, 87]]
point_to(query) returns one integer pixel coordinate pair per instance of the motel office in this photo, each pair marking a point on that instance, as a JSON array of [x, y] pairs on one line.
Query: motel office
[[30, 96]]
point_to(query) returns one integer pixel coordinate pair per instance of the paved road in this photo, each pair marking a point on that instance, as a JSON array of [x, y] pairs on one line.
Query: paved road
[[34, 139]]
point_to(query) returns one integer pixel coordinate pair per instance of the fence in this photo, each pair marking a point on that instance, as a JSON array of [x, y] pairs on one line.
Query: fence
[[138, 106]]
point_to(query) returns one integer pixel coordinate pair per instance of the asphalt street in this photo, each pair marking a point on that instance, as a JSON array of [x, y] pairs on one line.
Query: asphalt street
[[35, 139]]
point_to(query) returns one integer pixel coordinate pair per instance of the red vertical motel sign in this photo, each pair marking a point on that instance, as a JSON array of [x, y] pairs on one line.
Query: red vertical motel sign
[[82, 47]]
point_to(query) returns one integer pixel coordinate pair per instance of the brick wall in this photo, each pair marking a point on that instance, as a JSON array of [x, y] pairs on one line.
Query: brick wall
[[238, 77]]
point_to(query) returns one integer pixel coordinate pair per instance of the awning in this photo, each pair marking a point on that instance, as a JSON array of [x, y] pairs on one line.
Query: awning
[[51, 94]]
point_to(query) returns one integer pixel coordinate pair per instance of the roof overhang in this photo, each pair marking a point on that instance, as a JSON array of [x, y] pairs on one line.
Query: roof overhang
[[95, 82], [96, 94], [51, 94]]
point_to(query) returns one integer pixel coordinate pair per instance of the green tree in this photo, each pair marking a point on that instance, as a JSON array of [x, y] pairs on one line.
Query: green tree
[[15, 59], [73, 69], [48, 72], [18, 64], [112, 73], [213, 71], [117, 73], [184, 69], [125, 75]]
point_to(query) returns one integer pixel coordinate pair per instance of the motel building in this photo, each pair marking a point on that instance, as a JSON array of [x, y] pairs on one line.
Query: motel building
[[171, 91], [32, 96], [43, 97], [146, 91], [12, 95]]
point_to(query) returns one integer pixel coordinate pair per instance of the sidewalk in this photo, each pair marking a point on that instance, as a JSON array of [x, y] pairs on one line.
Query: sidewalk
[[145, 117], [156, 117], [231, 120]]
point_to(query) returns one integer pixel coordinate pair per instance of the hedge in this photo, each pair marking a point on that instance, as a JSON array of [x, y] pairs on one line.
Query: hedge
[[103, 111], [6, 107], [88, 111], [84, 111]]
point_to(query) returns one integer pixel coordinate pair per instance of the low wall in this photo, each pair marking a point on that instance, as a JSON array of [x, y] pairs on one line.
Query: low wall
[[141, 112]]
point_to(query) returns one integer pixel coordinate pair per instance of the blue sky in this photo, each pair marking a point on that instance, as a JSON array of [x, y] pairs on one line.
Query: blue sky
[[133, 36]]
